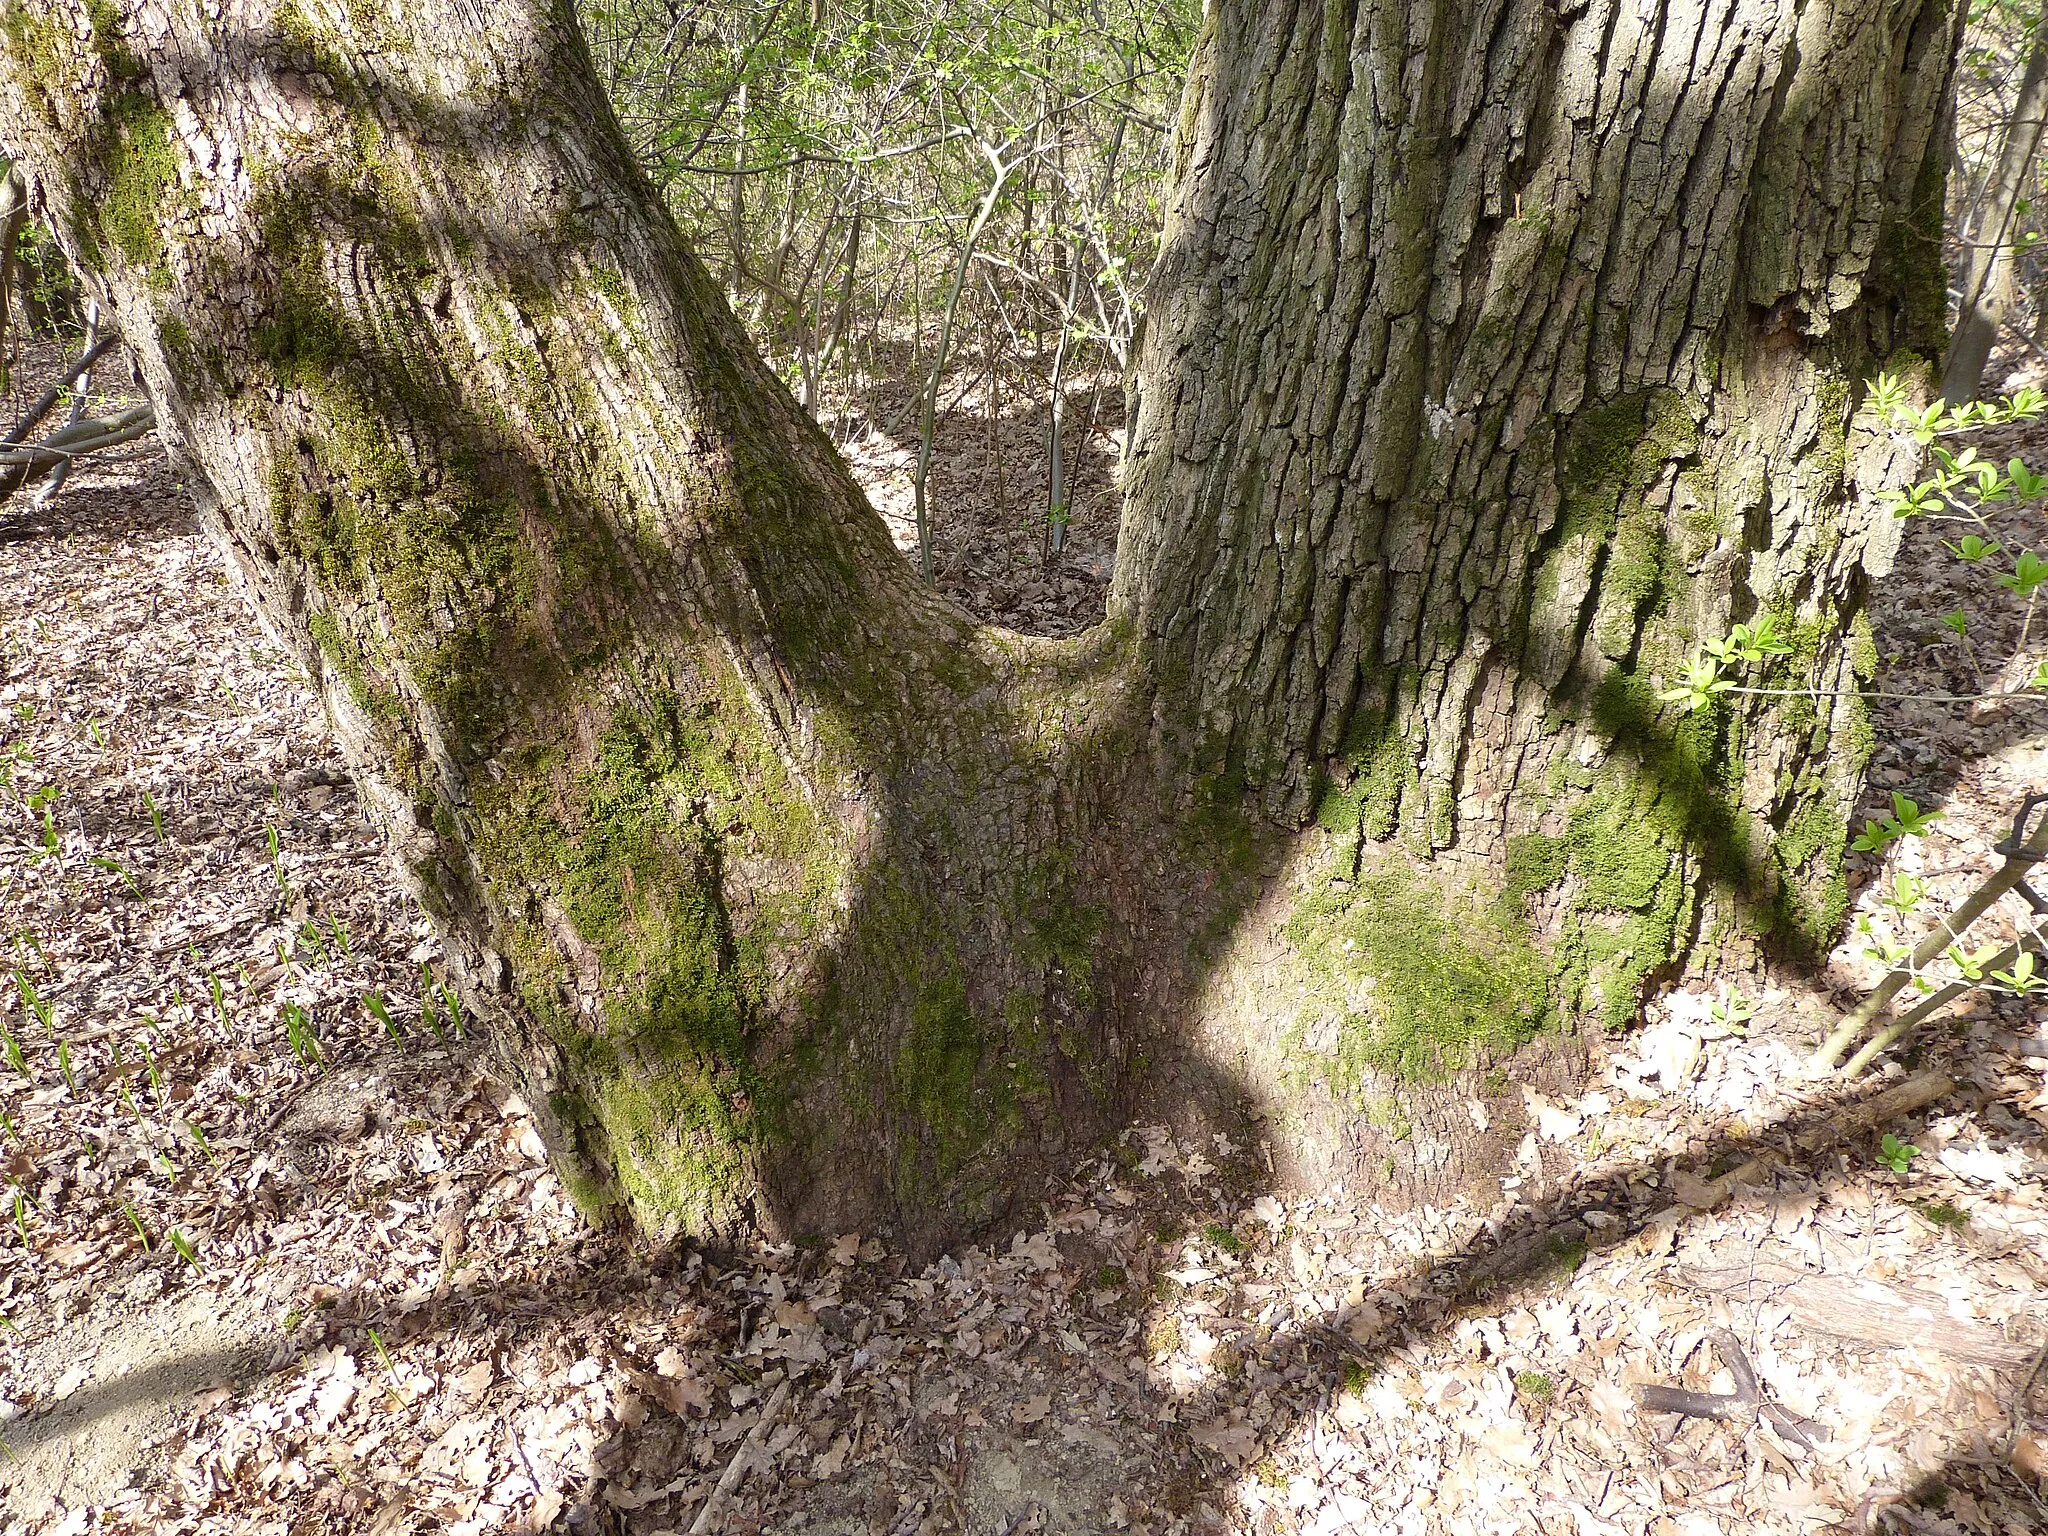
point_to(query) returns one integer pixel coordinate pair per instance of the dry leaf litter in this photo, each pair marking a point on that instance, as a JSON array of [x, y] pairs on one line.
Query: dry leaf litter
[[276, 1260]]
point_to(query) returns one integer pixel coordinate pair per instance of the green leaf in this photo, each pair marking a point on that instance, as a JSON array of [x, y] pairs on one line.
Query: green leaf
[[2029, 571], [1971, 548]]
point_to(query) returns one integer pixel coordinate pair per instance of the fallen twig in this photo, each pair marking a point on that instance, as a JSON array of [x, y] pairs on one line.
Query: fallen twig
[[1746, 1401], [737, 1467]]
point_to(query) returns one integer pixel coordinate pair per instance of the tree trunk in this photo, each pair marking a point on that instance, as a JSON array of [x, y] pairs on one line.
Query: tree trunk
[[1494, 358], [1988, 282]]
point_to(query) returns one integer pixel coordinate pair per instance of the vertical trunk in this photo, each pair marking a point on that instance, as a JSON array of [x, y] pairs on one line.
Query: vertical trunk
[[1479, 383], [1497, 354], [1988, 282]]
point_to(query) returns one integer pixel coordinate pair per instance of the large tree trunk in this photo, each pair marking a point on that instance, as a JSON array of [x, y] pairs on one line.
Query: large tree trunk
[[1495, 356]]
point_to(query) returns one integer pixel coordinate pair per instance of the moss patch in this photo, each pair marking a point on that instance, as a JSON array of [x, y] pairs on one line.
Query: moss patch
[[1419, 985]]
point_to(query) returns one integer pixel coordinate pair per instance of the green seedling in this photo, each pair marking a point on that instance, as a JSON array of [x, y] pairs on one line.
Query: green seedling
[[309, 936], [156, 818], [135, 1222], [298, 1032], [276, 854], [220, 1006], [429, 1018], [92, 729], [21, 1215], [39, 804], [156, 1083], [205, 1146], [113, 867], [339, 930], [451, 1005], [184, 1248], [1731, 1008], [15, 1059], [33, 1000], [1896, 1155], [382, 1015], [64, 1065]]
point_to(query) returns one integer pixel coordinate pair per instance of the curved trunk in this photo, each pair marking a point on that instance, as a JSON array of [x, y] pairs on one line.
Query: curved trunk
[[1479, 383]]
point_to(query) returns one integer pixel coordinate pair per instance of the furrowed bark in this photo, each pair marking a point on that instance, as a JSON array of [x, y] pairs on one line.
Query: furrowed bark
[[1479, 383], [1497, 355]]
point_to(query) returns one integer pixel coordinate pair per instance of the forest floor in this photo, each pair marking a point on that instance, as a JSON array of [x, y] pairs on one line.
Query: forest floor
[[271, 1263]]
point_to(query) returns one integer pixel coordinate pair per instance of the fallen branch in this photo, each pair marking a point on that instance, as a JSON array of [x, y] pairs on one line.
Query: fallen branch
[[23, 463], [1862, 1311], [741, 1458], [1747, 1401]]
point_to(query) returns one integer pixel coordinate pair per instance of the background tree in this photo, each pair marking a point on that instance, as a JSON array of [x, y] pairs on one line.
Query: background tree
[[1477, 386], [883, 189], [2000, 206]]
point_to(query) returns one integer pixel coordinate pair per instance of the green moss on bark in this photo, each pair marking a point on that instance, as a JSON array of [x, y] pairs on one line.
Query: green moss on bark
[[1420, 983]]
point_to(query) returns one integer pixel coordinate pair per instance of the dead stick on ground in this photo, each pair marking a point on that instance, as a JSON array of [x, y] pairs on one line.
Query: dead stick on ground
[[737, 1467]]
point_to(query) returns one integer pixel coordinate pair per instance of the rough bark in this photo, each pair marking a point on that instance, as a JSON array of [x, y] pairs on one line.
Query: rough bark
[[1988, 283], [1499, 351]]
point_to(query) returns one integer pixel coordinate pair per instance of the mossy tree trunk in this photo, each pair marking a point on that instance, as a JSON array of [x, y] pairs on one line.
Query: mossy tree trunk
[[1495, 356]]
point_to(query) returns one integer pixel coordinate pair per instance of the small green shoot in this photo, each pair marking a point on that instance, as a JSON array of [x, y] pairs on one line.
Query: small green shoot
[[299, 1033], [276, 855], [64, 1065], [205, 1146], [375, 1003], [135, 1222], [34, 1002], [1732, 1009], [156, 818], [183, 1245], [1896, 1155], [113, 867], [338, 930]]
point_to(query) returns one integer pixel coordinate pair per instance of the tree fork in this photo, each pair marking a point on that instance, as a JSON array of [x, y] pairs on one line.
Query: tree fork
[[1477, 386]]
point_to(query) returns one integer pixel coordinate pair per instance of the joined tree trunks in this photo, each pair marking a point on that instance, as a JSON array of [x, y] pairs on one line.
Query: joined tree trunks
[[1479, 384]]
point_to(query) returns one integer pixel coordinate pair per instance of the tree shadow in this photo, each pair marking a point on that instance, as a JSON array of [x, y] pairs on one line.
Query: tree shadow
[[1322, 1352]]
